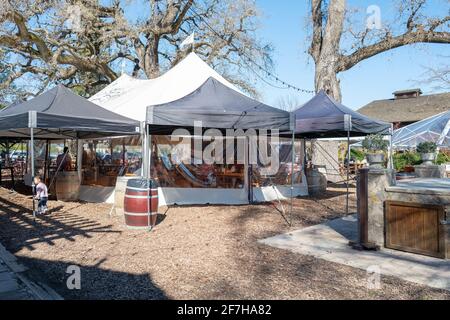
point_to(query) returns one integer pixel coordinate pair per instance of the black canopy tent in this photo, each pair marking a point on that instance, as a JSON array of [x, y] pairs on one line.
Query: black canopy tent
[[61, 114], [216, 106], [323, 117]]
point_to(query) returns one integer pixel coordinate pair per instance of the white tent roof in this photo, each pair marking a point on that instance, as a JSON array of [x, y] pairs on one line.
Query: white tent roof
[[130, 97], [435, 129]]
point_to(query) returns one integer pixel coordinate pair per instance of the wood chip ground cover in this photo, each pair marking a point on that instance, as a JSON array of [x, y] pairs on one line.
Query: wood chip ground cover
[[195, 252]]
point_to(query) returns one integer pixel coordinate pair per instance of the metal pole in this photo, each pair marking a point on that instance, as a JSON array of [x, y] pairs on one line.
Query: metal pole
[[149, 169], [33, 187], [80, 159], [149, 179], [391, 163], [348, 170], [348, 127], [144, 150], [292, 176], [47, 150]]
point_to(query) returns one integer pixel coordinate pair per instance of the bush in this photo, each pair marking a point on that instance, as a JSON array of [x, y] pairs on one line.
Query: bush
[[375, 143], [426, 147], [442, 158], [401, 160], [357, 154]]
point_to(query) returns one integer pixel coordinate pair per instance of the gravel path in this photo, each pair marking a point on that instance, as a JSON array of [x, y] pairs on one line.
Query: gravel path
[[196, 252]]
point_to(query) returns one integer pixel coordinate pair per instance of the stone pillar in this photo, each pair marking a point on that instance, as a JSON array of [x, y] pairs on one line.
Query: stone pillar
[[430, 171], [378, 180]]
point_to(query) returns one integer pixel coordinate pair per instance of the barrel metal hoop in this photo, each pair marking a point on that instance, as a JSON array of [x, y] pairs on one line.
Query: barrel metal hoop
[[140, 197], [140, 189], [140, 214]]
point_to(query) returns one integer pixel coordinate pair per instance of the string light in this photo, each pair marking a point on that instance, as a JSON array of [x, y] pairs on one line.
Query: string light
[[251, 61]]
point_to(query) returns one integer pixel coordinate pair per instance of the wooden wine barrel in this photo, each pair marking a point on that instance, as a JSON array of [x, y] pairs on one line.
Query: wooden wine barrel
[[119, 191], [67, 186], [141, 203]]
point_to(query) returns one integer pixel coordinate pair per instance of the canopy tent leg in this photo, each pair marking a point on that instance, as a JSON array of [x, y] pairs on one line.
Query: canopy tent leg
[[348, 127], [149, 156], [80, 158], [149, 177], [304, 154], [46, 164], [33, 187], [144, 150], [247, 169], [391, 161], [348, 171], [292, 176]]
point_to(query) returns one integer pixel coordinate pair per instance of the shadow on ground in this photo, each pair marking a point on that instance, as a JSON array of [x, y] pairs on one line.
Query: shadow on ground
[[96, 283], [19, 229]]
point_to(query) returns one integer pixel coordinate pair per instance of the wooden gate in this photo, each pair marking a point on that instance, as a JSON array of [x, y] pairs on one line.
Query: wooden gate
[[415, 227]]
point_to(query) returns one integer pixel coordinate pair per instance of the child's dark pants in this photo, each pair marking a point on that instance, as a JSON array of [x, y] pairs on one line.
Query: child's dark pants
[[42, 204]]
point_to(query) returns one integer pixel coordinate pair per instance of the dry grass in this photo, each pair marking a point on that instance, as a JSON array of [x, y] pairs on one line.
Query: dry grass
[[196, 252]]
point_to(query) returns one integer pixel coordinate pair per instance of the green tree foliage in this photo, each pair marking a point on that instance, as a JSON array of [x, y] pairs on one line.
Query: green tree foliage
[[401, 160]]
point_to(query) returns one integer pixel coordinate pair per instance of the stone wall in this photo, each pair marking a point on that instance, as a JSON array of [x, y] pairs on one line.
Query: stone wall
[[431, 171], [382, 187], [378, 180]]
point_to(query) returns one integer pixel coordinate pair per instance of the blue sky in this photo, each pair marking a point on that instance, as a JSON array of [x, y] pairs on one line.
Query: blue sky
[[283, 25]]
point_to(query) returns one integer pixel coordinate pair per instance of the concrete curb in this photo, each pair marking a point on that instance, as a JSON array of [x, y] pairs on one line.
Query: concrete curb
[[39, 290]]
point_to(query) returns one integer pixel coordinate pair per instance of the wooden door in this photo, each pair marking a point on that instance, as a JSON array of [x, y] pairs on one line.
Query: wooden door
[[415, 227]]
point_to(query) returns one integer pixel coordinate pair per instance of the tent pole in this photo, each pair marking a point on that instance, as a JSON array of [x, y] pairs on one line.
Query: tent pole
[[391, 163], [32, 169], [149, 177], [144, 150], [304, 155], [292, 176], [80, 159], [143, 154], [149, 169], [348, 126], [47, 151], [235, 143], [247, 169], [348, 170]]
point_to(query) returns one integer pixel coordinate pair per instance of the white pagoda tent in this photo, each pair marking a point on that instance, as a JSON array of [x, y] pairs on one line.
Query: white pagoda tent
[[130, 96], [435, 129]]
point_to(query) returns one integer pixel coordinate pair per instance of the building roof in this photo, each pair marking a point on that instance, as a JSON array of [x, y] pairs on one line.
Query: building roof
[[407, 109]]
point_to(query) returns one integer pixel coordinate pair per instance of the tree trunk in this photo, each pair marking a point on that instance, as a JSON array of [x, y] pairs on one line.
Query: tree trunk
[[152, 68], [326, 78], [326, 44]]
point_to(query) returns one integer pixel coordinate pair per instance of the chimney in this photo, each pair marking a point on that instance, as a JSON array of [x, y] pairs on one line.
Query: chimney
[[406, 94]]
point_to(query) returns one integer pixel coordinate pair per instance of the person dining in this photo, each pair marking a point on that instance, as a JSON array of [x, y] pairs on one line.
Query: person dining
[[64, 160]]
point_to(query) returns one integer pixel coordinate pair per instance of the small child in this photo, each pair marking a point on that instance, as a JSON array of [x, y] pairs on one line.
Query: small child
[[41, 194]]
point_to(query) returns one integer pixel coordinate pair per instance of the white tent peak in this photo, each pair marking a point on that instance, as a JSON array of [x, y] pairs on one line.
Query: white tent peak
[[129, 96]]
